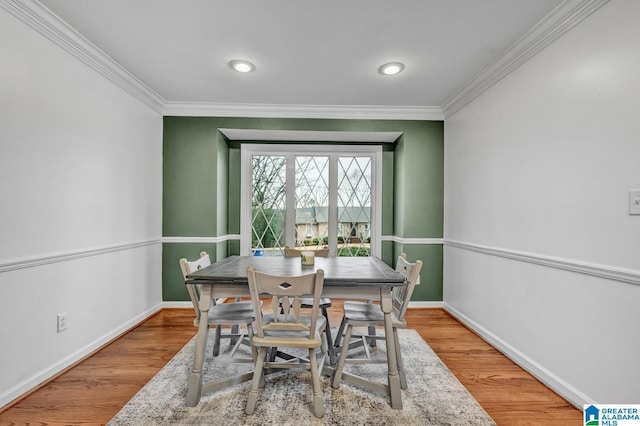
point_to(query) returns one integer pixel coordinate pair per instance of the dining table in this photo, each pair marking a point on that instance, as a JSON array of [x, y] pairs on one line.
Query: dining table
[[362, 278]]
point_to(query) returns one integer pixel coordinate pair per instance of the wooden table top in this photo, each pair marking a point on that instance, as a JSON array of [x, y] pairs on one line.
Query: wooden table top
[[338, 271]]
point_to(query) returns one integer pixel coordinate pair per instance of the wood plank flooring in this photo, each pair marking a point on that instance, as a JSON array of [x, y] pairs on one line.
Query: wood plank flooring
[[93, 391]]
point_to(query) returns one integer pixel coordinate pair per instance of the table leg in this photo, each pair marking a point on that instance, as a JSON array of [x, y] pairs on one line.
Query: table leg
[[194, 382], [395, 394]]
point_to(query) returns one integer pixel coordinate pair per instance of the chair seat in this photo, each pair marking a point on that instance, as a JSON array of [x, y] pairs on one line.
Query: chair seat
[[290, 339], [352, 306], [321, 321], [369, 314], [231, 313]]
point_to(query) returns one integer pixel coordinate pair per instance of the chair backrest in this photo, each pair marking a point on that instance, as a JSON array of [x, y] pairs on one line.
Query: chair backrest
[[402, 294], [194, 290], [289, 289], [292, 252]]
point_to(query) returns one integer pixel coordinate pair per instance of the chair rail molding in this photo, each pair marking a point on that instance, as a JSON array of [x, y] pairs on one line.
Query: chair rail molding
[[45, 259], [410, 241], [630, 276], [230, 237], [221, 239]]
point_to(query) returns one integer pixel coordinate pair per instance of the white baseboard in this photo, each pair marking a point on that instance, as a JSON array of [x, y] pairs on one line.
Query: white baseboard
[[559, 386], [177, 305], [187, 305], [426, 304], [47, 373]]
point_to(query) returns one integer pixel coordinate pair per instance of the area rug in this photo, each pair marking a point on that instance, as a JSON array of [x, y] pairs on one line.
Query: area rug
[[434, 395]]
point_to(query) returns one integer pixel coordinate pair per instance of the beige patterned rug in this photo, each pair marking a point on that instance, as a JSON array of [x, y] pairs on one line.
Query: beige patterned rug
[[434, 396]]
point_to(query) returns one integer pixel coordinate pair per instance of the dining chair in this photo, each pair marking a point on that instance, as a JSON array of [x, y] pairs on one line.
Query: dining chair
[[325, 302], [296, 327], [233, 314], [367, 315], [361, 306]]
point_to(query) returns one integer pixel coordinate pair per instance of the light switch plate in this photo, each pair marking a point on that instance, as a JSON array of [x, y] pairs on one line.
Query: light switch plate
[[62, 322], [634, 201]]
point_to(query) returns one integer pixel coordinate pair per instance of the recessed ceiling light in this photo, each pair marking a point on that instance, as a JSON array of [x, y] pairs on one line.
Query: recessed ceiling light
[[392, 68], [242, 66]]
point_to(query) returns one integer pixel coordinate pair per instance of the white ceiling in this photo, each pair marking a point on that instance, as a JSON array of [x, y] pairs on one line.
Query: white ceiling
[[309, 53]]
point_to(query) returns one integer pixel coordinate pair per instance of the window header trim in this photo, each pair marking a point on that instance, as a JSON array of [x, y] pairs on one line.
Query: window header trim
[[311, 136]]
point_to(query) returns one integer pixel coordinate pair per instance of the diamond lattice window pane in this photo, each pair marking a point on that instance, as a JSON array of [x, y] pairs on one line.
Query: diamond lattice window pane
[[312, 201], [268, 189], [354, 206]]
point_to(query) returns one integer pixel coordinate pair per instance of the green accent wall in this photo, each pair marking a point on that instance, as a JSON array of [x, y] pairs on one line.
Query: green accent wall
[[430, 288], [173, 288], [190, 178], [419, 180], [201, 189]]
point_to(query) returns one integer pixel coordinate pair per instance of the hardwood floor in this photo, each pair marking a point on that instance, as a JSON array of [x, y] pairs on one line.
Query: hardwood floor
[[93, 391]]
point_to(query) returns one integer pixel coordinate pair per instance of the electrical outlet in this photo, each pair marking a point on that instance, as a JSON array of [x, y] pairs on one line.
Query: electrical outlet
[[62, 322], [634, 201]]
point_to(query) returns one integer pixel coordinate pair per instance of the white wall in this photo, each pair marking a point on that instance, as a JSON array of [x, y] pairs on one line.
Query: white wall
[[80, 208], [538, 170]]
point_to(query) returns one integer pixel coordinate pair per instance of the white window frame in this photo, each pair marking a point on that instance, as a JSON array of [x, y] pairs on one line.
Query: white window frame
[[333, 152]]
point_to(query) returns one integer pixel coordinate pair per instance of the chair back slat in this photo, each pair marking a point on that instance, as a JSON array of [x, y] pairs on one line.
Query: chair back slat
[[288, 290], [274, 304], [402, 294], [188, 267]]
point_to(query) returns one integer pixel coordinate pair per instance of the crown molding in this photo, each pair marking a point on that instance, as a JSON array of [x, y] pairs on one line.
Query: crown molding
[[364, 112], [42, 20], [560, 20]]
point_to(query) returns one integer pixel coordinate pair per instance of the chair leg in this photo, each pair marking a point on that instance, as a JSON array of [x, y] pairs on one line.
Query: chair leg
[[339, 335], [401, 373], [216, 341], [235, 329], [318, 409], [372, 332], [337, 375], [273, 352], [324, 351], [254, 352], [255, 382], [327, 332]]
